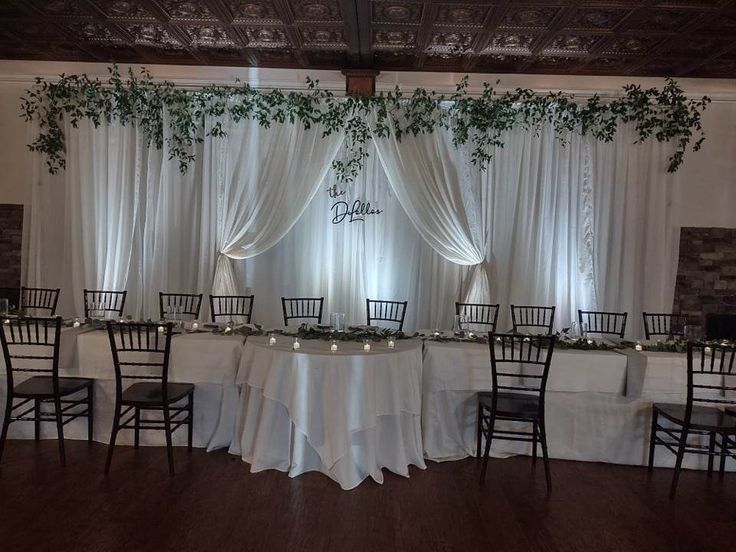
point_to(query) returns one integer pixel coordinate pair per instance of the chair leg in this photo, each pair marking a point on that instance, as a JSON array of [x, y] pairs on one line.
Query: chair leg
[[91, 412], [169, 446], [137, 430], [37, 419], [487, 450], [711, 452], [678, 462], [190, 436], [113, 437], [60, 429], [545, 453], [478, 431], [535, 438], [724, 449], [6, 421], [652, 440]]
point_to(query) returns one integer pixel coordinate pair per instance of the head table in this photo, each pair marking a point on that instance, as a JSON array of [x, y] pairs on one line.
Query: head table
[[351, 413], [346, 414]]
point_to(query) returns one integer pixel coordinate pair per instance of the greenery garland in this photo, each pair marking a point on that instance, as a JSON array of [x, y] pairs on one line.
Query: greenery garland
[[665, 114]]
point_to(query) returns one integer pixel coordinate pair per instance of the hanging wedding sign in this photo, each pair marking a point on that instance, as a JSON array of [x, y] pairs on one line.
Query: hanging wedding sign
[[345, 210], [664, 114]]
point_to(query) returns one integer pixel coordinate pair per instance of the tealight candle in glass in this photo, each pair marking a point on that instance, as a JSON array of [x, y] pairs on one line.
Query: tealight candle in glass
[[436, 332], [161, 328], [271, 340], [366, 346], [707, 349], [590, 341], [229, 327], [296, 344], [333, 347], [76, 323], [195, 324], [391, 343], [638, 346], [6, 321], [471, 335]]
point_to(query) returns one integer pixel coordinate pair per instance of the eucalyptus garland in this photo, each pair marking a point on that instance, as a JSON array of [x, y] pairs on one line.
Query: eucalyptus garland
[[665, 114]]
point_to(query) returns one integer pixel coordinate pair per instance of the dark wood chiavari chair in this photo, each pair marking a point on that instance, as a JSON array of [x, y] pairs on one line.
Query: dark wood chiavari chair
[[188, 303], [530, 317], [39, 299], [128, 342], [698, 416], [667, 324], [32, 345], [386, 311], [309, 308], [516, 398], [479, 314], [104, 301], [227, 306], [603, 323]]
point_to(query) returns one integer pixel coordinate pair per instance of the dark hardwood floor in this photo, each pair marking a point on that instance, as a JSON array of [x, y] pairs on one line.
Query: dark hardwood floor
[[214, 503]]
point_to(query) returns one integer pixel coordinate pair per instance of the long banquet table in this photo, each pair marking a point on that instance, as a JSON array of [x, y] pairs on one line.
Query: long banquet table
[[594, 412], [347, 414], [207, 360]]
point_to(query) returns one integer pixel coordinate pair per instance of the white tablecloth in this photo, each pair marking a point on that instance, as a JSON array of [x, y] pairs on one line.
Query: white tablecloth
[[588, 416], [346, 414], [209, 361]]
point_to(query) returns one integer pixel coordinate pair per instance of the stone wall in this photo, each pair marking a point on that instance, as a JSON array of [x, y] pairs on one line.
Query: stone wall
[[706, 274], [11, 243]]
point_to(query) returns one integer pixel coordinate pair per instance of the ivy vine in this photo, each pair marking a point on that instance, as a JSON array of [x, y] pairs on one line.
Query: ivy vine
[[665, 114]]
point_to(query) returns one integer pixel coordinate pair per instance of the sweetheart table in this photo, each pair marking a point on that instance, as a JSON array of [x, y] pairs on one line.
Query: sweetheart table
[[207, 360], [346, 414], [592, 412]]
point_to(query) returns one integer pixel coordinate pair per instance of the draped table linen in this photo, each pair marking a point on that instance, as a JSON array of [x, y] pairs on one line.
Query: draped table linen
[[208, 361], [589, 416], [346, 414]]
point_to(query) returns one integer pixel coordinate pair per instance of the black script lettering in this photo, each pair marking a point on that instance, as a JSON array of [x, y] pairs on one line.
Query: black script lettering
[[334, 191], [342, 210]]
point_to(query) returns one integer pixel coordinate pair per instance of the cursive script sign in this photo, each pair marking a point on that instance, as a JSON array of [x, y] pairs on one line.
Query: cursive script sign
[[343, 211]]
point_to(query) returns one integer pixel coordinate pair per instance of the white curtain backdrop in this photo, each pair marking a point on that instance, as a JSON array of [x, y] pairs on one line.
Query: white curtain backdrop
[[428, 175], [579, 224], [265, 180]]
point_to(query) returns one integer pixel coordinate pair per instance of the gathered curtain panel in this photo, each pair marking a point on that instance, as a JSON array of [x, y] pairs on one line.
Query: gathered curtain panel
[[265, 180], [577, 224]]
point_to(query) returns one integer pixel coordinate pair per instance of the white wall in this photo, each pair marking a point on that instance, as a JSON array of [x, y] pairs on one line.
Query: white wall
[[705, 187]]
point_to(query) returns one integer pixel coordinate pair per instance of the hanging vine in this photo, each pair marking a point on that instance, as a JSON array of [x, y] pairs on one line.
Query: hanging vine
[[664, 114]]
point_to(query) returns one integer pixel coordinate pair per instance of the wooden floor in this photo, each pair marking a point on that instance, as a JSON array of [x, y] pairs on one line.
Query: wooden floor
[[214, 503]]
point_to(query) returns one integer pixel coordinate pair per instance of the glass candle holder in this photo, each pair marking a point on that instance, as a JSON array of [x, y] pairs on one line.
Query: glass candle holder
[[333, 347], [195, 324], [638, 346], [391, 343], [271, 340], [296, 345], [366, 346], [76, 323]]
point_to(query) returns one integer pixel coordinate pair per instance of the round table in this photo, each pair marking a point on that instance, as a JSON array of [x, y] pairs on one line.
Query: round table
[[347, 414]]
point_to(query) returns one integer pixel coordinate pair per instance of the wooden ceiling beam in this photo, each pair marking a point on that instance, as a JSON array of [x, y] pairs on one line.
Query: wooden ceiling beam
[[493, 19], [351, 30], [291, 31]]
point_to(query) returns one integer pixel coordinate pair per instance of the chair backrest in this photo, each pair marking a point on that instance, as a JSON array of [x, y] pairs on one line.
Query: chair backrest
[[530, 316], [103, 301], [386, 311], [188, 303], [227, 306], [41, 299], [603, 323], [510, 350], [704, 361], [664, 324], [31, 345], [302, 307], [140, 351], [479, 314]]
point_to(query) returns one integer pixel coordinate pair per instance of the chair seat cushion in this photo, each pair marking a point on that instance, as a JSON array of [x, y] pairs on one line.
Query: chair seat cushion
[[520, 405], [43, 386], [703, 417], [152, 393]]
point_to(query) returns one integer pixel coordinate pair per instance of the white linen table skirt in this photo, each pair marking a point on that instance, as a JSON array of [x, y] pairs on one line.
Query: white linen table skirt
[[208, 361], [346, 414], [588, 416]]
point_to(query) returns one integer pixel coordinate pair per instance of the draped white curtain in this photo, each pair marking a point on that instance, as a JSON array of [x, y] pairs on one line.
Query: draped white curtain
[[579, 224], [265, 180], [428, 175]]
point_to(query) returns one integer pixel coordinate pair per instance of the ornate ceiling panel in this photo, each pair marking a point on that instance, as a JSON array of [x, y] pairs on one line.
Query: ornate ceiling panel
[[606, 37]]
